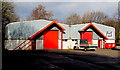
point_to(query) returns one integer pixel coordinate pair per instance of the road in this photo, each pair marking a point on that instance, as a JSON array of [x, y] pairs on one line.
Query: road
[[57, 60]]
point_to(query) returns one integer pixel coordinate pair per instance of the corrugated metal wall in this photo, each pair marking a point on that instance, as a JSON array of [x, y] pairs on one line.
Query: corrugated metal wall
[[11, 44]]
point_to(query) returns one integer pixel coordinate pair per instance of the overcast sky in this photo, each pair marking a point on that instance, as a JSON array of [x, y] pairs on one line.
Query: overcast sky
[[61, 10]]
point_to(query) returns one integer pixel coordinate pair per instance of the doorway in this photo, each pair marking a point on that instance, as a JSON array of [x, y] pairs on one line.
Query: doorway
[[51, 40]]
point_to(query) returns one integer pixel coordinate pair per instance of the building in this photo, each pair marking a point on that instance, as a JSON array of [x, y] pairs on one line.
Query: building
[[43, 34], [98, 35]]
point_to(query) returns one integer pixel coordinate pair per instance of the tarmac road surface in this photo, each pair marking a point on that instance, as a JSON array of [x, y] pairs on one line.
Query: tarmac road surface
[[57, 60]]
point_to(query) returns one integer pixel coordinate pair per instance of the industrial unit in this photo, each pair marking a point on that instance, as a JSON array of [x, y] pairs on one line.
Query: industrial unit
[[44, 34]]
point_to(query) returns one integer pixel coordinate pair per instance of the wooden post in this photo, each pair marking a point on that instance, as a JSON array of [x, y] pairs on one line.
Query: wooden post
[[33, 44]]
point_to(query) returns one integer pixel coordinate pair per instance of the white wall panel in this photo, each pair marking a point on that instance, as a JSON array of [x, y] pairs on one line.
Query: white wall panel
[[95, 41], [110, 41], [59, 44], [39, 44], [11, 44]]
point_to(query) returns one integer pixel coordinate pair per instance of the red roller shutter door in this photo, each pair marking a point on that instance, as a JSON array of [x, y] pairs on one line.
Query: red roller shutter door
[[51, 40], [88, 36]]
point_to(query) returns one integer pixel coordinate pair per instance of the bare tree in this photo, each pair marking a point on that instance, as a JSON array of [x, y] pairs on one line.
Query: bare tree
[[40, 13], [94, 16], [73, 19], [115, 16], [119, 20], [7, 15]]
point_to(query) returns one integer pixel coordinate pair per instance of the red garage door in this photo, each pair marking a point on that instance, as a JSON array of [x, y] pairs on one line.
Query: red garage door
[[51, 40], [88, 36]]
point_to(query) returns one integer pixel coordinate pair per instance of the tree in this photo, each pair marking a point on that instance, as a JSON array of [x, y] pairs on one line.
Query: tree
[[115, 16], [40, 13], [73, 19], [94, 16], [113, 22], [118, 22], [8, 15]]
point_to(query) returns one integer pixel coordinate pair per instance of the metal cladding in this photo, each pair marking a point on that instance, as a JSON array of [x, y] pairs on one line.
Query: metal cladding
[[25, 29]]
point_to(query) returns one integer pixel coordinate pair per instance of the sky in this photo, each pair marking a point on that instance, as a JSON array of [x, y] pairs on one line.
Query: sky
[[62, 10]]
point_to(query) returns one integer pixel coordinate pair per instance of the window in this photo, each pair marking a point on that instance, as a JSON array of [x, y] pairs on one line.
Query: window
[[75, 39], [65, 40], [72, 39]]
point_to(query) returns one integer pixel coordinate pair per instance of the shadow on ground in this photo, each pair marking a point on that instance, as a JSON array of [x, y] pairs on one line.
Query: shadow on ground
[[57, 60]]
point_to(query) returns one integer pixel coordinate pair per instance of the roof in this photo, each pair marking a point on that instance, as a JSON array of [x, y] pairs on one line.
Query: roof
[[45, 27], [95, 29], [26, 29], [79, 27]]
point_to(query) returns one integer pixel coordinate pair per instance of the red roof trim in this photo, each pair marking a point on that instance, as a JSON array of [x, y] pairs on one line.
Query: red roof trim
[[95, 28], [53, 22]]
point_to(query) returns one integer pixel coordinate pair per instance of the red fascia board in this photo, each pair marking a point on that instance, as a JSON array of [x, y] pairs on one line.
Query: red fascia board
[[86, 27], [62, 29], [53, 22], [95, 29]]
